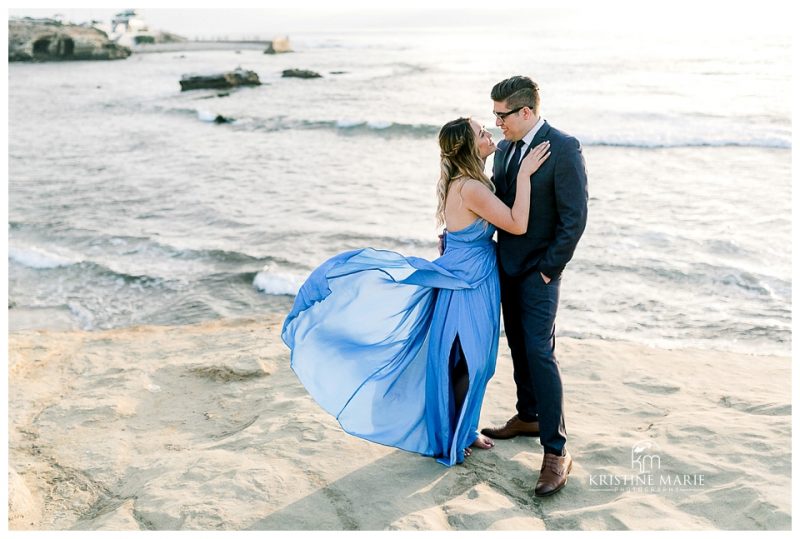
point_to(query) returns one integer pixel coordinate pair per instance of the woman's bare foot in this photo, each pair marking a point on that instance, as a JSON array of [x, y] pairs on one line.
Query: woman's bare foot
[[482, 442]]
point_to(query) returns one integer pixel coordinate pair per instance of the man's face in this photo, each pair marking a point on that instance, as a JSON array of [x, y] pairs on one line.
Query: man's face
[[511, 121]]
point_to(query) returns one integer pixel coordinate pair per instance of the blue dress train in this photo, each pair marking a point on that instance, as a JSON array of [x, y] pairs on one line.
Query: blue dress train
[[375, 337]]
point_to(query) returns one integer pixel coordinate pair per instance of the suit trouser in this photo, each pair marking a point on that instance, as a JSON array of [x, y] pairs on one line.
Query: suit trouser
[[529, 314]]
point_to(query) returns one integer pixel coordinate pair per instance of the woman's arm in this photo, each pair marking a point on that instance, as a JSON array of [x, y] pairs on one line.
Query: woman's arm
[[481, 201]]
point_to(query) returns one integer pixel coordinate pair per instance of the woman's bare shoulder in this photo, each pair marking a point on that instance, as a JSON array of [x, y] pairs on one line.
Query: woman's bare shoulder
[[473, 187]]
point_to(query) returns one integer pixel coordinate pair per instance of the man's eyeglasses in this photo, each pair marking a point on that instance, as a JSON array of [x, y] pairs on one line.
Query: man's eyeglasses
[[503, 115]]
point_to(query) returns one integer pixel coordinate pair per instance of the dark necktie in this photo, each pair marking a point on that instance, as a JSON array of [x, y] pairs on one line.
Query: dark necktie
[[513, 165]]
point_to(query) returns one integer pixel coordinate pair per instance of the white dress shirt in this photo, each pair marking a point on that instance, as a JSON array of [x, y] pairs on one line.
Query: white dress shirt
[[527, 139]]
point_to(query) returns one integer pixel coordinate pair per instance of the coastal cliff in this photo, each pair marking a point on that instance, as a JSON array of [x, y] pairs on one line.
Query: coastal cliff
[[47, 40]]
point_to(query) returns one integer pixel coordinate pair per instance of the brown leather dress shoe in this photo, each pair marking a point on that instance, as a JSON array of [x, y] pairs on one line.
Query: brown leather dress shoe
[[553, 475], [513, 427]]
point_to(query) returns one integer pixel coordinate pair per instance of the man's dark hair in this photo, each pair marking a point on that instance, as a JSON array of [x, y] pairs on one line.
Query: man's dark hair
[[517, 91]]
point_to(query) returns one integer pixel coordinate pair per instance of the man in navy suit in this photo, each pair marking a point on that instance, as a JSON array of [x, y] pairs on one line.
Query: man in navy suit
[[530, 269]]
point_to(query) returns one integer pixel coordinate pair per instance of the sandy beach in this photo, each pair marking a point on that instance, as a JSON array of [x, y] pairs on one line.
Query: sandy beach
[[206, 427]]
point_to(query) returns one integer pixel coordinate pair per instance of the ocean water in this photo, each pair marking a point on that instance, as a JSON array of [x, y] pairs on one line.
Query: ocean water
[[127, 205]]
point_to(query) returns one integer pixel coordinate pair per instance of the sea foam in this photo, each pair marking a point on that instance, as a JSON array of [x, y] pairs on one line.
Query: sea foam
[[33, 257], [206, 116], [277, 283]]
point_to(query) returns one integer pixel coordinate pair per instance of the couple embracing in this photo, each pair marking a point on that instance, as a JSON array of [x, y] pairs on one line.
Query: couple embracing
[[400, 349]]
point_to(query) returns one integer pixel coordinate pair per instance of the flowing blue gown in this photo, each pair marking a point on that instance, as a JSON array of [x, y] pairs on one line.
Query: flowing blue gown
[[372, 336]]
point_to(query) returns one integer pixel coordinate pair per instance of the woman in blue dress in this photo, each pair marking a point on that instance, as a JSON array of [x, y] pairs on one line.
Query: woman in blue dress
[[400, 349]]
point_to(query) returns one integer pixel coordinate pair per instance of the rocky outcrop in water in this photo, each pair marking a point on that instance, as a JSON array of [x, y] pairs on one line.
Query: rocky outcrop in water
[[46, 40], [230, 79], [301, 73]]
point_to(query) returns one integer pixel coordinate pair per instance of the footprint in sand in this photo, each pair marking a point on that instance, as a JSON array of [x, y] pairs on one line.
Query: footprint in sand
[[651, 385], [769, 408], [311, 435]]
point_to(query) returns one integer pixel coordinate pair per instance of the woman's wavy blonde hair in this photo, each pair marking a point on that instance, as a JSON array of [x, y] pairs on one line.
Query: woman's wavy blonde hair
[[459, 158]]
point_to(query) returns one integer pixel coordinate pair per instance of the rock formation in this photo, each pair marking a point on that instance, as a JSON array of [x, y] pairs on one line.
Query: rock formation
[[301, 73], [42, 40], [278, 45], [237, 77]]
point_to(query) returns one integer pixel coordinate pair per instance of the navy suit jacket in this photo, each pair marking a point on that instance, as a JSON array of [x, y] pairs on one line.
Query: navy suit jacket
[[559, 200]]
